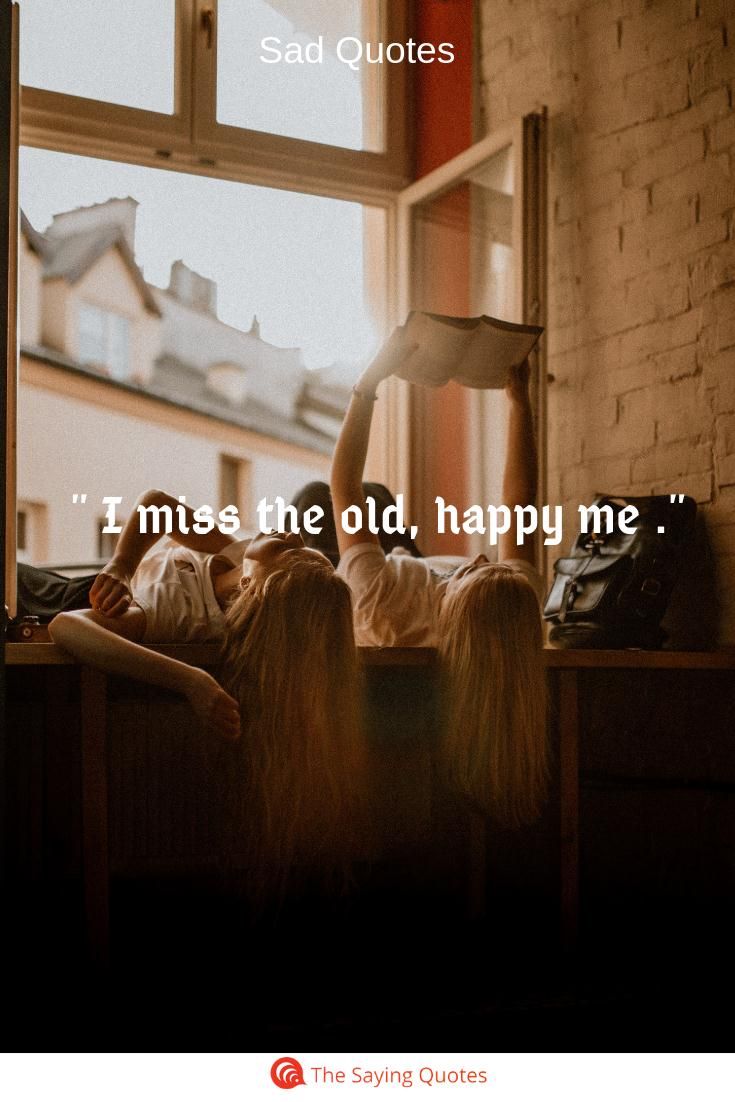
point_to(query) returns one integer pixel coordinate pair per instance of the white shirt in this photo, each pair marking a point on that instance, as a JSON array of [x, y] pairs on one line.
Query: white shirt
[[173, 586], [396, 598]]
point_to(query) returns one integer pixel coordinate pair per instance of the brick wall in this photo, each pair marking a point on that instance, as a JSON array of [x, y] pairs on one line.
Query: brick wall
[[641, 336]]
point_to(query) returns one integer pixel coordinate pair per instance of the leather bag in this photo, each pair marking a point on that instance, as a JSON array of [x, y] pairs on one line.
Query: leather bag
[[613, 588]]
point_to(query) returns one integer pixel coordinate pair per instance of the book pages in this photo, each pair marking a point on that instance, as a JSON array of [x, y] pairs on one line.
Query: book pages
[[476, 352]]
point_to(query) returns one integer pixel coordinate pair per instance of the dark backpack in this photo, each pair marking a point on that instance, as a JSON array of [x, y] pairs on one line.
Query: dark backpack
[[613, 589]]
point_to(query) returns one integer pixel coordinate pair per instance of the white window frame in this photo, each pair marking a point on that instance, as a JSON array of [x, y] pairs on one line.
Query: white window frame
[[526, 139], [192, 140]]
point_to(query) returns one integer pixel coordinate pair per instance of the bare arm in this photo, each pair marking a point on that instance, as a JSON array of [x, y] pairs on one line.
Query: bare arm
[[350, 453], [112, 645], [520, 478], [348, 465], [111, 593]]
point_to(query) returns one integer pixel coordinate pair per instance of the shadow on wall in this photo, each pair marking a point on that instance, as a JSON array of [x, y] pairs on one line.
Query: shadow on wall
[[692, 619]]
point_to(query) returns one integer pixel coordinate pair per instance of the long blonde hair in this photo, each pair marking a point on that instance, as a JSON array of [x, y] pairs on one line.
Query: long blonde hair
[[289, 657], [494, 743]]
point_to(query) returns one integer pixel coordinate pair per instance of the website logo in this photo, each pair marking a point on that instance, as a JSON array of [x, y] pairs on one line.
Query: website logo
[[287, 1073]]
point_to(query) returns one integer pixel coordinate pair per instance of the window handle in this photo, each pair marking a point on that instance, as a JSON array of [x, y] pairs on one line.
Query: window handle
[[207, 25]]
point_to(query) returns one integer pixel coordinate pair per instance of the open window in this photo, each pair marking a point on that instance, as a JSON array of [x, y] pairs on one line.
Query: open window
[[466, 238], [470, 241]]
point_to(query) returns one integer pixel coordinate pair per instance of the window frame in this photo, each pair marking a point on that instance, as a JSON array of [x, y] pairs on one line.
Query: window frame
[[526, 138], [109, 319], [9, 244], [192, 140], [36, 531], [241, 469], [69, 123]]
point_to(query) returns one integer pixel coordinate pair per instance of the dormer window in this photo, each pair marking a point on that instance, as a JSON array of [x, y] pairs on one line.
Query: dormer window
[[104, 340]]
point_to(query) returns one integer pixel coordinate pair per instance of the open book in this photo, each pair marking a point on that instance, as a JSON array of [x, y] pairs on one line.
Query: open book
[[476, 352]]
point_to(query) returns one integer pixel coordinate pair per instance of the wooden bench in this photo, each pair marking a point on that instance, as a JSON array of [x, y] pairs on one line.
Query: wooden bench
[[568, 665]]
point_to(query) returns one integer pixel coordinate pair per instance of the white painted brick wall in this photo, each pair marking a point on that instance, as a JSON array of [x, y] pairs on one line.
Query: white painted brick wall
[[641, 337]]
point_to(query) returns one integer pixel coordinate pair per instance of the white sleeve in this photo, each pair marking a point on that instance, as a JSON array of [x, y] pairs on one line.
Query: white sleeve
[[371, 577], [363, 566]]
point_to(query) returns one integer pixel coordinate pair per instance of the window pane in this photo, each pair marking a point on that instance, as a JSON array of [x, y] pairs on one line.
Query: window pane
[[118, 52], [118, 356], [232, 321], [91, 347], [463, 263], [104, 340], [229, 481], [297, 82], [463, 245], [22, 530]]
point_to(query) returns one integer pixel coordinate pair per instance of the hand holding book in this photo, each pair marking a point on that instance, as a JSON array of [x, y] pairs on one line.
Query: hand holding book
[[391, 359], [476, 352]]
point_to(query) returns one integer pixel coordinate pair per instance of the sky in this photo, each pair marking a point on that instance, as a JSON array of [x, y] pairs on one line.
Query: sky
[[294, 260]]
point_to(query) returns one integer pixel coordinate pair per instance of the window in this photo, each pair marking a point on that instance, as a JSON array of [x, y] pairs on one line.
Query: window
[[288, 68], [238, 307], [104, 340], [471, 242], [107, 541], [183, 81], [310, 268], [120, 53], [32, 531], [159, 85], [234, 487], [293, 182]]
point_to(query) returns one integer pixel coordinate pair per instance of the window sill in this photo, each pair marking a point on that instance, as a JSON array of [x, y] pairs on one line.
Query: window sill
[[205, 654]]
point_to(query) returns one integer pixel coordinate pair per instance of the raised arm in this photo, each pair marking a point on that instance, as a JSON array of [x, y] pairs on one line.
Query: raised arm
[[350, 453], [111, 593], [111, 645], [520, 478]]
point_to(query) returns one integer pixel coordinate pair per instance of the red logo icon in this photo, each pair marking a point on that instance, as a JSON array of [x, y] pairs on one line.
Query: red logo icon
[[287, 1073]]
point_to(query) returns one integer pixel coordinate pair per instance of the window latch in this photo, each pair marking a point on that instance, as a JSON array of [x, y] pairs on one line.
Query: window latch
[[207, 25]]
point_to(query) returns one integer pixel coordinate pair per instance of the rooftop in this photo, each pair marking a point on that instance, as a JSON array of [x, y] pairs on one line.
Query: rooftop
[[277, 397]]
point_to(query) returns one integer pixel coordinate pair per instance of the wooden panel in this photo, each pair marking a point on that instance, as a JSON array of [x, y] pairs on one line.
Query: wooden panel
[[205, 654], [569, 804], [95, 856], [662, 829]]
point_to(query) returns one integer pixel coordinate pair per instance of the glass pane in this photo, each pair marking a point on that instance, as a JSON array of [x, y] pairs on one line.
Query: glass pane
[[291, 67], [464, 264], [154, 327], [118, 52], [119, 358], [91, 340], [463, 260]]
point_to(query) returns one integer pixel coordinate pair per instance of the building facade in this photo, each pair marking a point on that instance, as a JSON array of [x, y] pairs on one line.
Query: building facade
[[124, 386]]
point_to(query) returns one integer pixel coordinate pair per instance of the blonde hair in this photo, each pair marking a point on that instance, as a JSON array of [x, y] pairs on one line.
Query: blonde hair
[[494, 743], [289, 657]]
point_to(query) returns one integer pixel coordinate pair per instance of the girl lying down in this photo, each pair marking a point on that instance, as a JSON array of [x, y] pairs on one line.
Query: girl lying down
[[484, 617], [289, 668]]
